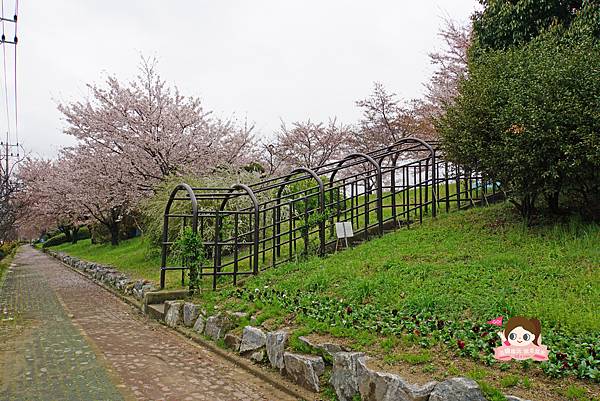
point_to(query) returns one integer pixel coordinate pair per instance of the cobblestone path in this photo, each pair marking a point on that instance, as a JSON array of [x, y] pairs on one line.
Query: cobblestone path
[[64, 338]]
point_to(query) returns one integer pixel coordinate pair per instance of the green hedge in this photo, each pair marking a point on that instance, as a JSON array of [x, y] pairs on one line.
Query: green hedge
[[83, 233], [7, 248]]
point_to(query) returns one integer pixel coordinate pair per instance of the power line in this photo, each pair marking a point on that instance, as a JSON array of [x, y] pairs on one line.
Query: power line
[[4, 69], [7, 146], [5, 42], [15, 76]]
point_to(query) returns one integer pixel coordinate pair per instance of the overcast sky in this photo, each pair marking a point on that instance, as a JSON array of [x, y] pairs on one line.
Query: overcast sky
[[263, 59]]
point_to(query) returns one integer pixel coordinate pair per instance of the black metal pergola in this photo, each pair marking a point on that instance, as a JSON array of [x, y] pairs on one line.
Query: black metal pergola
[[246, 229]]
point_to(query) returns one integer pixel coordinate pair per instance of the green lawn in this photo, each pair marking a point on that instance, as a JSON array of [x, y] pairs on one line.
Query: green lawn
[[140, 260], [133, 257], [4, 263], [472, 264]]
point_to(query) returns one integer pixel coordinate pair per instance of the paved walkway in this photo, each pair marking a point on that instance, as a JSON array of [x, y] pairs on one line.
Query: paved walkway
[[64, 338]]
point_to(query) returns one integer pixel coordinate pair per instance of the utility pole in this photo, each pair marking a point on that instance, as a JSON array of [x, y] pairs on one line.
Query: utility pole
[[7, 147]]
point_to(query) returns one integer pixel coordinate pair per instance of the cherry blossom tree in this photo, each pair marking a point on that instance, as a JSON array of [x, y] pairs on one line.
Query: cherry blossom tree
[[79, 188], [385, 120], [32, 220], [10, 188], [154, 131], [47, 200], [450, 64], [272, 158], [306, 144], [450, 67], [131, 137], [98, 184]]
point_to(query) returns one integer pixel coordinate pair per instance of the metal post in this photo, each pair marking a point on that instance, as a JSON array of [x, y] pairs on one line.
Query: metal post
[[217, 253], [235, 248]]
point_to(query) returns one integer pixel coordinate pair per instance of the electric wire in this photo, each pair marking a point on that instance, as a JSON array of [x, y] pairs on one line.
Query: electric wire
[[5, 80], [15, 77]]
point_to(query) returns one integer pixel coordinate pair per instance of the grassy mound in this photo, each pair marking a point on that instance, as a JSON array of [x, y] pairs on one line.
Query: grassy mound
[[132, 256], [436, 285], [475, 264]]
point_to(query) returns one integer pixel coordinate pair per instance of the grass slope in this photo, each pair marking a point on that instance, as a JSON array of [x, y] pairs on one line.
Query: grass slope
[[419, 299], [475, 264], [4, 264]]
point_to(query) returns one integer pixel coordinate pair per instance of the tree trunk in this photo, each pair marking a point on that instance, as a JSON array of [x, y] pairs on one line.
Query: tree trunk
[[552, 200], [75, 235], [528, 207], [114, 233], [67, 232]]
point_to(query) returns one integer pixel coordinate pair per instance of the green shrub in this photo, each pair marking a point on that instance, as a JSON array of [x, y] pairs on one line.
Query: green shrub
[[528, 117], [100, 234], [56, 240], [506, 23], [189, 248], [8, 247], [83, 233]]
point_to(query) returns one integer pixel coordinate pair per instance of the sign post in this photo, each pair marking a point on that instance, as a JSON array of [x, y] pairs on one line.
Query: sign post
[[343, 230]]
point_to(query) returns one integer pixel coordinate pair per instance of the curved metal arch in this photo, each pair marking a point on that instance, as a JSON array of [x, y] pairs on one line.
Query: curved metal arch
[[407, 140], [244, 188], [194, 201], [377, 167], [287, 178], [255, 240], [432, 157], [293, 173], [165, 233], [353, 156]]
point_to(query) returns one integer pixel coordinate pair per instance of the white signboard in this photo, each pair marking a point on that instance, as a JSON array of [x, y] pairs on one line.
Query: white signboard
[[343, 229]]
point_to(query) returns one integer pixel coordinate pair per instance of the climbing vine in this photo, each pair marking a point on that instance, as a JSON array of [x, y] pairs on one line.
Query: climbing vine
[[188, 247]]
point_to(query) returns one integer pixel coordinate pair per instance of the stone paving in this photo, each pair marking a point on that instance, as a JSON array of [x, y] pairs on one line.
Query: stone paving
[[64, 338], [42, 354]]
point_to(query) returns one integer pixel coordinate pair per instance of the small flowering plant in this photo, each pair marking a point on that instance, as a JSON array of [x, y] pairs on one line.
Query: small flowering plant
[[574, 355]]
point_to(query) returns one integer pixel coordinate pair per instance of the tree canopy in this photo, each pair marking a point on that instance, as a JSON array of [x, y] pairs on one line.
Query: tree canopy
[[528, 116], [506, 23]]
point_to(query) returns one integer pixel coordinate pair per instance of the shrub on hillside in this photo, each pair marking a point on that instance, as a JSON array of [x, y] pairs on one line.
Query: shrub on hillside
[[529, 118], [6, 248], [128, 228], [59, 239], [307, 194], [506, 23]]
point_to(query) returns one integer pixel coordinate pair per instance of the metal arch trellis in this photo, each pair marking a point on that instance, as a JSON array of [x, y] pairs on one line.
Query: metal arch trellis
[[378, 179], [255, 234], [165, 234], [321, 204], [417, 146], [276, 220]]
